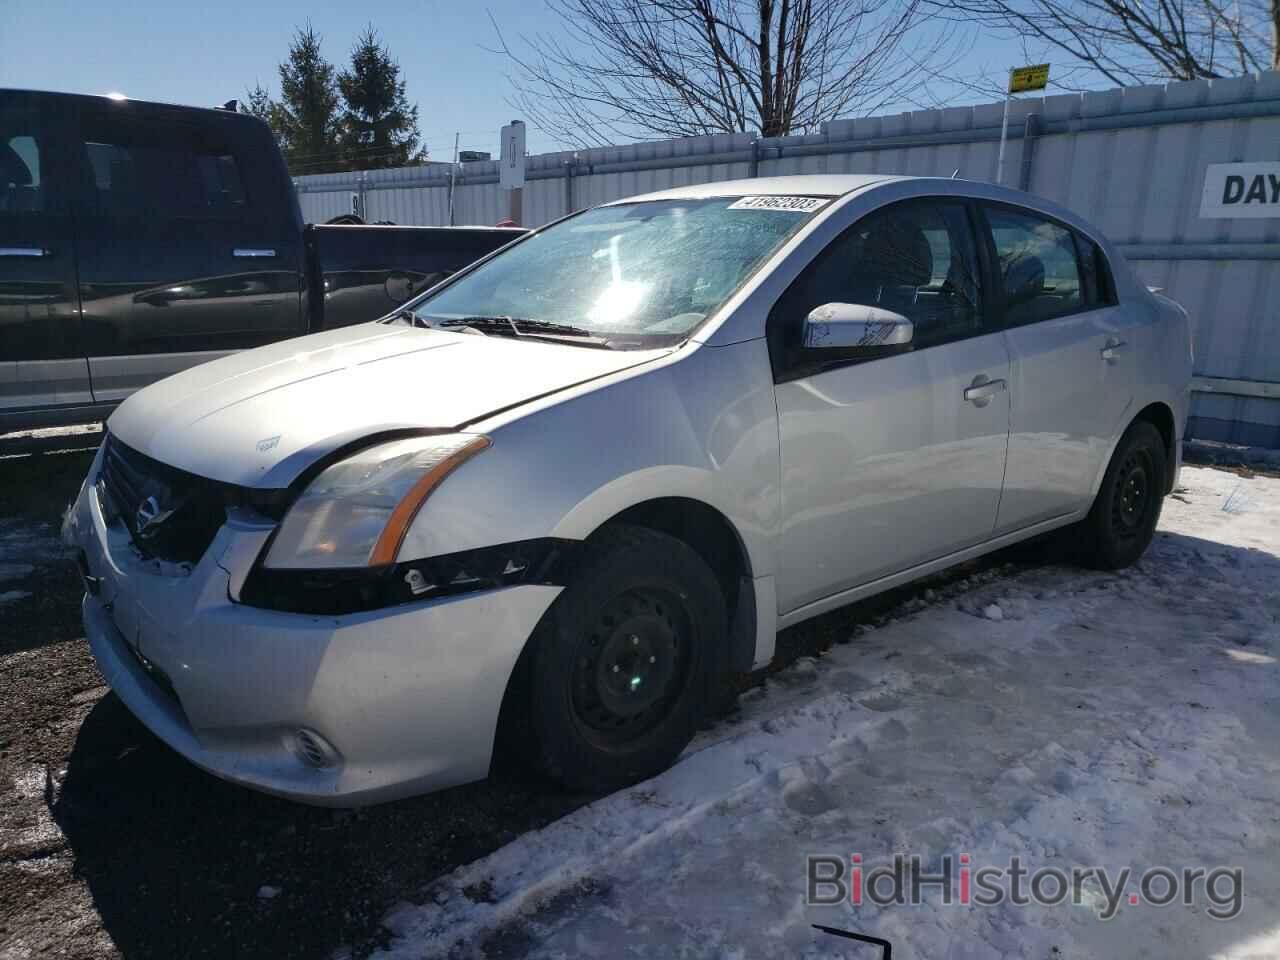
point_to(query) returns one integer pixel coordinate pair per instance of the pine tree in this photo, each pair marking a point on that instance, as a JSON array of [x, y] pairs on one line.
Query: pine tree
[[379, 125], [257, 102], [306, 118]]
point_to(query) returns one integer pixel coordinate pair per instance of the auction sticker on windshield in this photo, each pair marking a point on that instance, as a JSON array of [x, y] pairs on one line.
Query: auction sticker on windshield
[[791, 204]]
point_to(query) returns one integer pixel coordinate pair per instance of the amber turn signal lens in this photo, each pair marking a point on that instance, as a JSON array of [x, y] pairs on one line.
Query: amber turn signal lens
[[393, 534]]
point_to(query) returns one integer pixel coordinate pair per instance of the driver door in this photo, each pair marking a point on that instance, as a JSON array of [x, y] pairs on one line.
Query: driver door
[[42, 363], [886, 463]]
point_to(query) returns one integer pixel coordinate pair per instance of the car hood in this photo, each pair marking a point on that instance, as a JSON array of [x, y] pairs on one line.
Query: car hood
[[261, 417]]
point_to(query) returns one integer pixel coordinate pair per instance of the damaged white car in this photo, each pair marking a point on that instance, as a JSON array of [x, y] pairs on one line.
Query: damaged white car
[[568, 493]]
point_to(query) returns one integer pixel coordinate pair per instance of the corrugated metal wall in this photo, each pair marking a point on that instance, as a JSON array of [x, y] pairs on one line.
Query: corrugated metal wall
[[1131, 160]]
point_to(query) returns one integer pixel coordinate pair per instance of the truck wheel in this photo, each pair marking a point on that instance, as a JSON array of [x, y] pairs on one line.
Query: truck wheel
[[618, 672], [1124, 515]]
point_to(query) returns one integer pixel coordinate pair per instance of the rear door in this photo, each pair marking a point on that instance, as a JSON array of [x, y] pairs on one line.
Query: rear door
[[1071, 363], [893, 462], [42, 362], [187, 248]]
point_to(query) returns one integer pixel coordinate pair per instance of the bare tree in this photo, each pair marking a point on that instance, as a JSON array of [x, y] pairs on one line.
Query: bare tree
[[1275, 34], [1135, 41], [629, 69]]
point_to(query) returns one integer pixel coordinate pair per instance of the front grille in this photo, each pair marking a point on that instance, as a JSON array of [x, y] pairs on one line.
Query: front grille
[[170, 514]]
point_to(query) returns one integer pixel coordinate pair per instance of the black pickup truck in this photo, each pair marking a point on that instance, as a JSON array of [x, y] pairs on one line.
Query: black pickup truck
[[138, 239]]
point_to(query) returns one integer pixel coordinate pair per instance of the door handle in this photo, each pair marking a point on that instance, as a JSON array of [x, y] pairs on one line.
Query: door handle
[[983, 390], [24, 252], [253, 252], [1112, 350]]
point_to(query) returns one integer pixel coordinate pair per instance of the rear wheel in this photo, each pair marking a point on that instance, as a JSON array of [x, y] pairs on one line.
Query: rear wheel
[[617, 671], [1127, 508]]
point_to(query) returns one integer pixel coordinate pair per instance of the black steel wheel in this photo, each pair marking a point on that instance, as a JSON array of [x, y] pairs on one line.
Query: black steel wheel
[[632, 666], [1132, 499], [1123, 519], [616, 677]]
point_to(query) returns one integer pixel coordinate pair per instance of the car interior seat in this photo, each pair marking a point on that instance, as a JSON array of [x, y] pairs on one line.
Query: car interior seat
[[1024, 285]]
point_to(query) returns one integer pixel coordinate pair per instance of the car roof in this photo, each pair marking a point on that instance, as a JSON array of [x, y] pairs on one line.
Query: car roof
[[804, 185], [838, 185]]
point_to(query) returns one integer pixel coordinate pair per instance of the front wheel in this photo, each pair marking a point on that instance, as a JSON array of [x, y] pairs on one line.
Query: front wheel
[[1124, 515], [618, 668]]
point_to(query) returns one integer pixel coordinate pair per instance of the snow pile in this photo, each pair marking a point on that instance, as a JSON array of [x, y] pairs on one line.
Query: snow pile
[[91, 432], [1069, 718], [1229, 454]]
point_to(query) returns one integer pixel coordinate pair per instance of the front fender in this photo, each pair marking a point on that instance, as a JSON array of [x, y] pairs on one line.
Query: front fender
[[606, 502], [703, 428]]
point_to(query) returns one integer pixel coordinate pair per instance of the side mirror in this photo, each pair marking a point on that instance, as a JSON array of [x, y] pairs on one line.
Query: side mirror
[[398, 287], [852, 331]]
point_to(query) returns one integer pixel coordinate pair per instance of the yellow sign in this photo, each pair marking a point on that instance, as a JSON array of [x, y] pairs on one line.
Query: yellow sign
[[1029, 78]]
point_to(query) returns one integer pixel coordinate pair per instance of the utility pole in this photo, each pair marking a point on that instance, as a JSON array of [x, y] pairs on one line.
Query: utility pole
[[453, 174], [1020, 78], [1004, 134]]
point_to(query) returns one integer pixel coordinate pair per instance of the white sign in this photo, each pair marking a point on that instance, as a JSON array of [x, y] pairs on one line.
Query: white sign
[[511, 167], [787, 204], [1241, 190]]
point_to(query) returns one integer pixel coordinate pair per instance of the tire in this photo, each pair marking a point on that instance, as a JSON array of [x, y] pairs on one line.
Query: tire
[[618, 670], [1124, 515]]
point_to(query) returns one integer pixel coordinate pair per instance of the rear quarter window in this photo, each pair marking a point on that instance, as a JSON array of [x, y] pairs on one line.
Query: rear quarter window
[[1099, 286]]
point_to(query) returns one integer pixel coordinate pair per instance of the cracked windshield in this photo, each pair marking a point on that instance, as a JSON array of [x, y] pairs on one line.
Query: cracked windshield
[[637, 274]]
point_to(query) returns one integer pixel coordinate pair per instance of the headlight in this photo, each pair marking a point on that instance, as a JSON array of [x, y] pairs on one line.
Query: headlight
[[356, 512]]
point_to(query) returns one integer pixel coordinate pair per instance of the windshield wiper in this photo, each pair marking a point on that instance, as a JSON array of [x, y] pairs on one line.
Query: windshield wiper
[[527, 329], [515, 325]]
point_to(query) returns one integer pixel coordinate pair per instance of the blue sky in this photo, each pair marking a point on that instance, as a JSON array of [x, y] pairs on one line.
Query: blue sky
[[208, 53]]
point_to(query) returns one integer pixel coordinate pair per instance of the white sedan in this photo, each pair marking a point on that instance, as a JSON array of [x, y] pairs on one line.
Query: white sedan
[[564, 496]]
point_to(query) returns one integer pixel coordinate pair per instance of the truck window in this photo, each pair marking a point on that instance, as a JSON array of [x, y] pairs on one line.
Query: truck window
[[167, 170], [21, 186]]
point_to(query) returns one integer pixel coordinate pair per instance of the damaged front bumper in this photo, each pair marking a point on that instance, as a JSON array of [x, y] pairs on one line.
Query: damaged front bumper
[[337, 710]]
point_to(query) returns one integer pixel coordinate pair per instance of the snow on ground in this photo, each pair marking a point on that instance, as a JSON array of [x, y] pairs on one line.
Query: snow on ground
[[25, 545], [86, 430], [1097, 720]]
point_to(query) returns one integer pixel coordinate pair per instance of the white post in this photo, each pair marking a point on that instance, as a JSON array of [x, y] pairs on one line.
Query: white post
[[1004, 135], [511, 168], [453, 172]]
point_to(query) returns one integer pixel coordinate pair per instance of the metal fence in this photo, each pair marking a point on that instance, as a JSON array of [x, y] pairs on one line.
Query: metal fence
[[1132, 160]]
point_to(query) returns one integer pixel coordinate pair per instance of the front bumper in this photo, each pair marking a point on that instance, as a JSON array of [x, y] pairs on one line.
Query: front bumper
[[408, 697]]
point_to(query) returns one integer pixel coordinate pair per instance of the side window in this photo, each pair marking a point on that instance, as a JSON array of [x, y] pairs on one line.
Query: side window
[[22, 181], [161, 170], [1037, 267], [915, 258], [1099, 291]]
